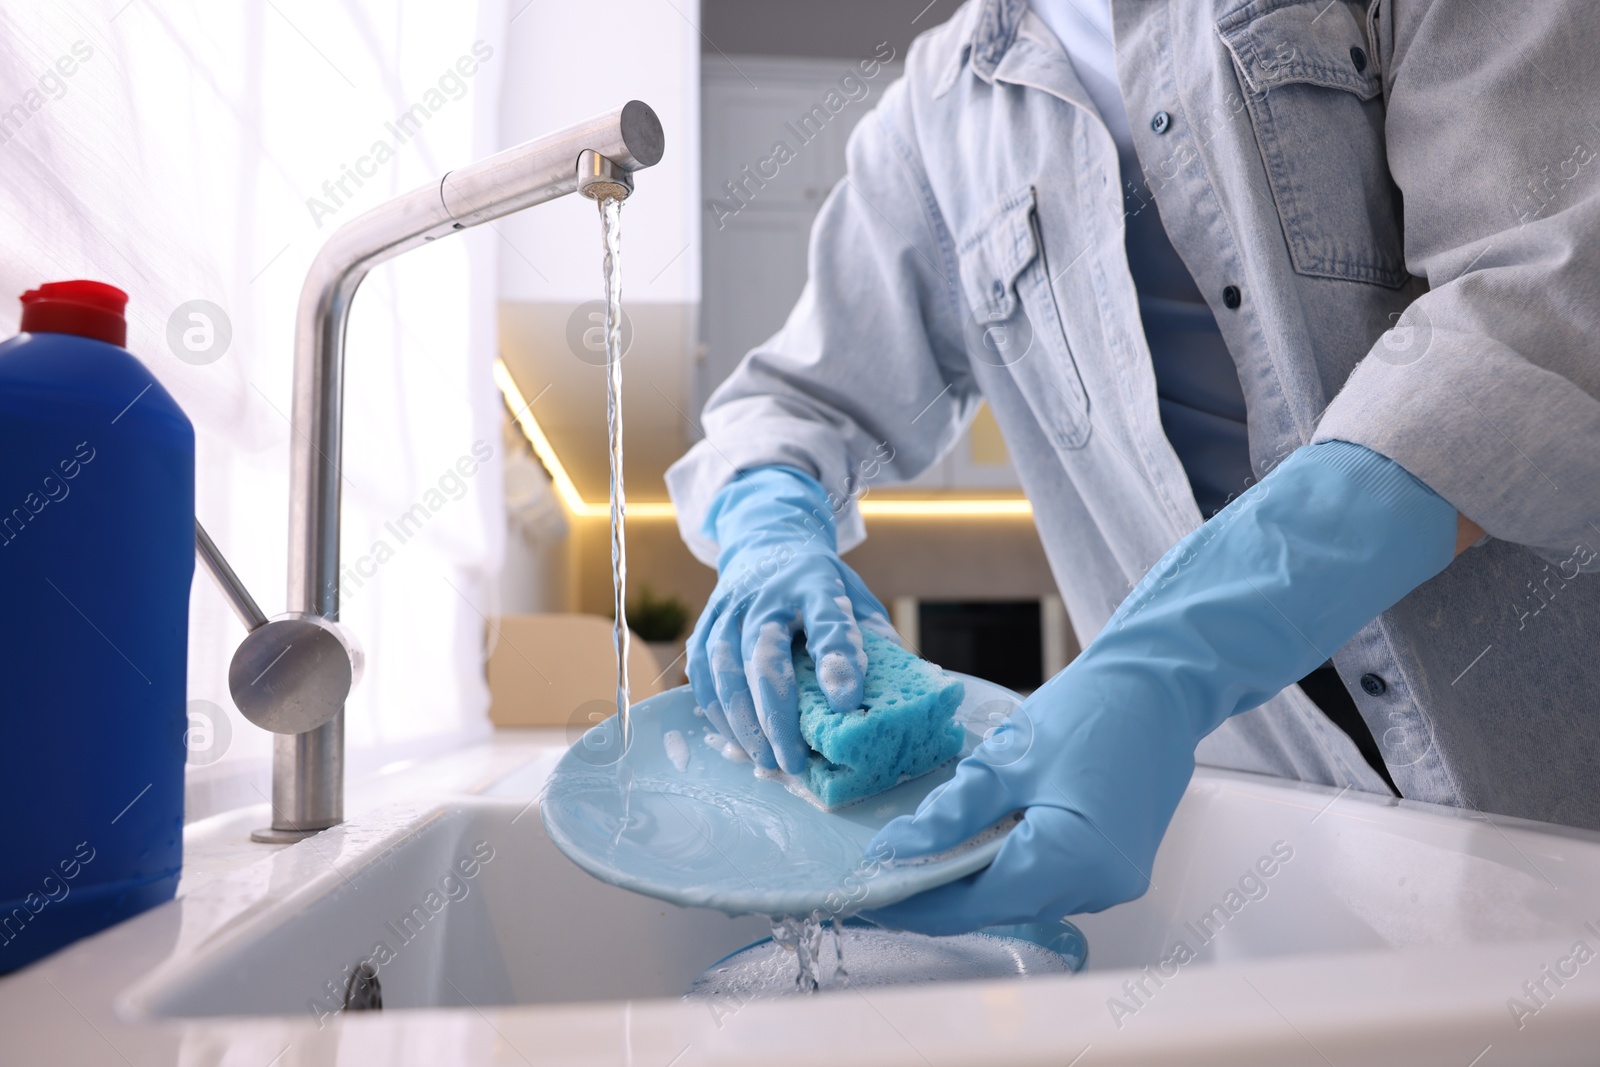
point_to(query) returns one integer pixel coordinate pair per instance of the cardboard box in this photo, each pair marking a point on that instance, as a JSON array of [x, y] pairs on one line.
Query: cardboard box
[[561, 670]]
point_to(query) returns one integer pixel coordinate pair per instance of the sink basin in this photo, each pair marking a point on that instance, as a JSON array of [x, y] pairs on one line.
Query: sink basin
[[467, 902], [1256, 869], [1285, 924], [470, 904]]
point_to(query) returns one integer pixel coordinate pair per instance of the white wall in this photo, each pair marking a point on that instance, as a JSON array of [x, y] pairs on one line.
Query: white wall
[[569, 61]]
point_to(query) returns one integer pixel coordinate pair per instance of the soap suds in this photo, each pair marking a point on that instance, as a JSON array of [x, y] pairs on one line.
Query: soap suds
[[982, 837], [740, 711], [773, 662], [724, 658], [837, 677], [795, 785], [677, 749], [853, 636], [726, 747]]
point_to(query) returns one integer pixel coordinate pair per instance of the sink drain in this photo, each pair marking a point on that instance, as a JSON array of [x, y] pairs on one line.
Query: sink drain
[[362, 992]]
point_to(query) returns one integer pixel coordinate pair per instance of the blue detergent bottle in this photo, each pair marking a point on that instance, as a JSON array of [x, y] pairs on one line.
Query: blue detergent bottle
[[96, 557]]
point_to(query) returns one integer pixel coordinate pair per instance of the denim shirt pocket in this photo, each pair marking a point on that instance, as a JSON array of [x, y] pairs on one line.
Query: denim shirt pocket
[[1311, 82], [1013, 322]]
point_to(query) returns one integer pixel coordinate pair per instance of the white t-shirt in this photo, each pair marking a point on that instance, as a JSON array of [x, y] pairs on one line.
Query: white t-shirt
[[1084, 29]]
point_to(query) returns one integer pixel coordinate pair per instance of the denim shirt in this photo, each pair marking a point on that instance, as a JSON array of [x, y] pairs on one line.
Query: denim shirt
[[1280, 140]]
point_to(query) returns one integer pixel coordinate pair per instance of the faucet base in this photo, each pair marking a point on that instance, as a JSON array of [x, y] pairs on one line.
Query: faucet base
[[271, 835]]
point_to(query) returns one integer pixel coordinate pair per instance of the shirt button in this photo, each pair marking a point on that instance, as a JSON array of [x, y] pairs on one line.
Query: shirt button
[[1161, 122], [1231, 298], [1358, 56], [1373, 685]]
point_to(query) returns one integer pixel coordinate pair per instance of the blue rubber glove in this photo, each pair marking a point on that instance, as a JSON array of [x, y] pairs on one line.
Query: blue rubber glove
[[1098, 757], [778, 573]]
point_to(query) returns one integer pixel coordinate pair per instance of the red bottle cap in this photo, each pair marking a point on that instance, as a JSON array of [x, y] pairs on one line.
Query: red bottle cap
[[84, 308]]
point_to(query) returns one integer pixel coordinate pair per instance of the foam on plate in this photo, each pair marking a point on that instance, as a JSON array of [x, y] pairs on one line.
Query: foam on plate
[[677, 749], [726, 747]]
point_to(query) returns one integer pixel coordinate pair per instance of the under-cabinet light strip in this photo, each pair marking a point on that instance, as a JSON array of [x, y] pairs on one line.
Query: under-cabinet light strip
[[898, 507]]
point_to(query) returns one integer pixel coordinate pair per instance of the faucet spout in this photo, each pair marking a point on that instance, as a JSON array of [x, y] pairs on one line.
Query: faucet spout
[[596, 157], [601, 179]]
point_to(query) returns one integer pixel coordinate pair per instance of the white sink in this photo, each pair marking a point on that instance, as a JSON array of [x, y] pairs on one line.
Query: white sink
[[468, 903], [473, 906], [1315, 927]]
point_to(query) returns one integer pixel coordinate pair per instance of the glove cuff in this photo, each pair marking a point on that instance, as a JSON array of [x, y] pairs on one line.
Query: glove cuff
[[769, 505], [1407, 504], [1279, 579]]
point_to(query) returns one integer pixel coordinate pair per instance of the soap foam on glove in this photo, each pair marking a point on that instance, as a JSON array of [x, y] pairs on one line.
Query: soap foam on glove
[[778, 575], [904, 728]]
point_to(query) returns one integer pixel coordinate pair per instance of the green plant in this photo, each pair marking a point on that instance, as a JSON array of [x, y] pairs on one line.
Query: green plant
[[657, 618]]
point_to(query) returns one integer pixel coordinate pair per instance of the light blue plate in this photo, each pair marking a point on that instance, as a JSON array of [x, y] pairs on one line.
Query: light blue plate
[[713, 835]]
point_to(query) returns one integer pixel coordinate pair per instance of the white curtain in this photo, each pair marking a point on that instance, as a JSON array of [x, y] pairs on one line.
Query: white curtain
[[203, 151]]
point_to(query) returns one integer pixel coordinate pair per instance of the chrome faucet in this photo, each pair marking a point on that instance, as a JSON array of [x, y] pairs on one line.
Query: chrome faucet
[[302, 700]]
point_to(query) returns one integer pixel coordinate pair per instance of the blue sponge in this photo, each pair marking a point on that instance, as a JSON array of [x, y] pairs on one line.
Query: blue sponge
[[904, 728]]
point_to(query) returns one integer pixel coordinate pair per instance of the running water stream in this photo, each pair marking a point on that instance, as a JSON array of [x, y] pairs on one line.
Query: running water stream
[[806, 939], [803, 936], [611, 239], [878, 959], [611, 229]]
